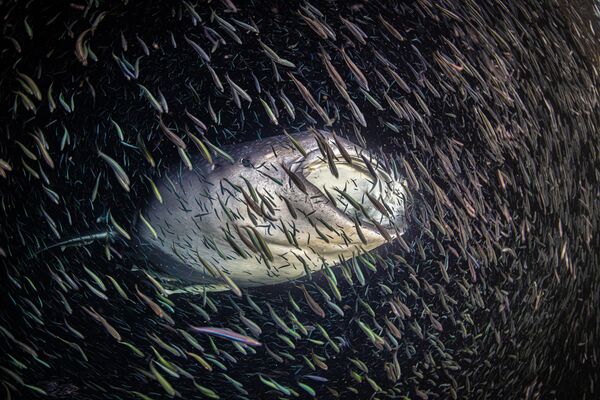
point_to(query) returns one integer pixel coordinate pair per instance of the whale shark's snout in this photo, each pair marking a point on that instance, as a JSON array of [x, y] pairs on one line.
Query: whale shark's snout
[[285, 206]]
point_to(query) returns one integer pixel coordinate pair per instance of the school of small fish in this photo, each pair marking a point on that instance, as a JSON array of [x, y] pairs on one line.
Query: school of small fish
[[277, 200]]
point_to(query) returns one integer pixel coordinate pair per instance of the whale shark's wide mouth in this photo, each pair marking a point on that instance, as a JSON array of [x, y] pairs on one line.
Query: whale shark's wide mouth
[[367, 193]]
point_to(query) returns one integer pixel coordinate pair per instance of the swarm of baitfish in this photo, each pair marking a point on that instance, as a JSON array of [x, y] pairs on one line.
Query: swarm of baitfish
[[325, 199]]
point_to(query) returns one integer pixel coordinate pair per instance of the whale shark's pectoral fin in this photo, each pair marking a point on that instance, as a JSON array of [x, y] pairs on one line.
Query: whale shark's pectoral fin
[[173, 285]]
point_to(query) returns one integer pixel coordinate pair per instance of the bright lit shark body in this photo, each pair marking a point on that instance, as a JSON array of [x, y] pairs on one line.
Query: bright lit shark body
[[271, 216]]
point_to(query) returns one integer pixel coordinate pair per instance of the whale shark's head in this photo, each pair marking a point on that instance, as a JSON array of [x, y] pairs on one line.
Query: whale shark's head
[[286, 206]]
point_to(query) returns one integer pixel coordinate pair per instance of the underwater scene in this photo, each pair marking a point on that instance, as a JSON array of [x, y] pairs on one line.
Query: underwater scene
[[269, 199]]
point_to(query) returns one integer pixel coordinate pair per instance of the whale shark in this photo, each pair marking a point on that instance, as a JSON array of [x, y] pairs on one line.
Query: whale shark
[[279, 208]]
